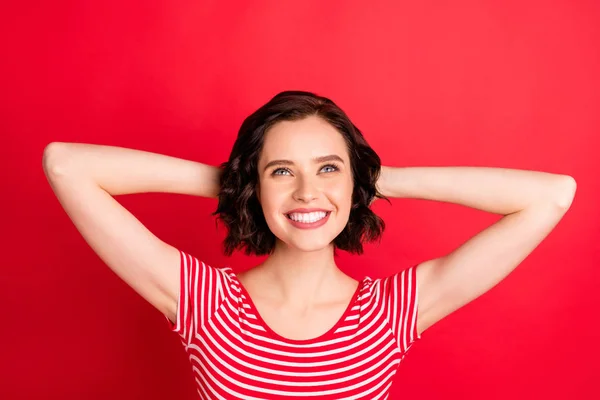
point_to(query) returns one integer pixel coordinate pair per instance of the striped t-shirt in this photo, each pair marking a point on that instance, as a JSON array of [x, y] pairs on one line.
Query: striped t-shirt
[[235, 355]]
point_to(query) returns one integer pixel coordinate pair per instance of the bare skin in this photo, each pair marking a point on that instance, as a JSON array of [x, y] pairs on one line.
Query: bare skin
[[299, 290], [288, 321]]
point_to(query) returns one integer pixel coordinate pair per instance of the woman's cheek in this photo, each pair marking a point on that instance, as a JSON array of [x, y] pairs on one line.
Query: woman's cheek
[[343, 196], [272, 203]]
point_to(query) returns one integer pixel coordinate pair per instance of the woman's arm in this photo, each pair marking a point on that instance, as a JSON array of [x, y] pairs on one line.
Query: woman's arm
[[84, 177], [533, 203], [120, 170], [496, 190]]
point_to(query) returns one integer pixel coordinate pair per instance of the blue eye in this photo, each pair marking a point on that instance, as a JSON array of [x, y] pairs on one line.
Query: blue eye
[[280, 169], [333, 166]]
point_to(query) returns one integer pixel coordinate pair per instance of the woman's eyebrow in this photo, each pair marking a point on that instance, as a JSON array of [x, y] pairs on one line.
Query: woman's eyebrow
[[331, 157]]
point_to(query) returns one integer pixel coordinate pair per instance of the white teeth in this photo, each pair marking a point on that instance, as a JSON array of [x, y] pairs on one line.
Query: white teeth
[[308, 218]]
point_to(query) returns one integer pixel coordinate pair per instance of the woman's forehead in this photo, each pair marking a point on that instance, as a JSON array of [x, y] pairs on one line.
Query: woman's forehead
[[304, 139]]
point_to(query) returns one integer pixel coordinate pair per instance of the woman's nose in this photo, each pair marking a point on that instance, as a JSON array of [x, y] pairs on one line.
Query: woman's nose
[[306, 190]]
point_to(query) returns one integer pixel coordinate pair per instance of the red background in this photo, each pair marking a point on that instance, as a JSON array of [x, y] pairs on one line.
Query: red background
[[509, 84]]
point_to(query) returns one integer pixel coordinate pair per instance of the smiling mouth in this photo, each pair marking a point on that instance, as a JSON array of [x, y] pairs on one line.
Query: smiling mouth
[[302, 220]]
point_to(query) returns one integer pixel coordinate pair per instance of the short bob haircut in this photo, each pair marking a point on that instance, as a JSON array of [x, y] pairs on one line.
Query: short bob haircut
[[239, 208]]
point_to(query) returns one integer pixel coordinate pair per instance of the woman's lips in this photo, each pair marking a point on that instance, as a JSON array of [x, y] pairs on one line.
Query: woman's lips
[[309, 225]]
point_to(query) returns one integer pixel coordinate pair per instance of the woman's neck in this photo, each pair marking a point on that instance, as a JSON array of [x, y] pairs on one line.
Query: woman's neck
[[301, 279]]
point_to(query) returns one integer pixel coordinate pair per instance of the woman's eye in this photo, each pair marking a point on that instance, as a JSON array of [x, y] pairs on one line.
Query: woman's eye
[[285, 171], [333, 167], [279, 169]]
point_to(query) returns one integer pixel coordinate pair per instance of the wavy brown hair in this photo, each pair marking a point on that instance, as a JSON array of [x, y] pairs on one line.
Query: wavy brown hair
[[239, 208]]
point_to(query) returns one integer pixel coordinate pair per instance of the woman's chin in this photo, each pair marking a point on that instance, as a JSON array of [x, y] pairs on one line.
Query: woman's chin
[[308, 245]]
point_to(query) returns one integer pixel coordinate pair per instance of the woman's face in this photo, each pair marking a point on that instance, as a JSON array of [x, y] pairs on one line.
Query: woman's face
[[305, 182]]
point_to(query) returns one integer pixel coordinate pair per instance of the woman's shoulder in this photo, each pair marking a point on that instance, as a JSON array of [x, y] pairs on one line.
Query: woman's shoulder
[[191, 262]]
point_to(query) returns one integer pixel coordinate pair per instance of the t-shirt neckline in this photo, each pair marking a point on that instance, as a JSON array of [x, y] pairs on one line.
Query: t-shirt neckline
[[325, 336]]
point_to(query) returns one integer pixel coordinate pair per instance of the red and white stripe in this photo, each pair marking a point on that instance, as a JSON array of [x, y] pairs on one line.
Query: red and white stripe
[[235, 355]]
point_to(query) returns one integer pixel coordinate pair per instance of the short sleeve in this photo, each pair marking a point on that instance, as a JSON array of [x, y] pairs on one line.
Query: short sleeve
[[401, 296], [200, 295]]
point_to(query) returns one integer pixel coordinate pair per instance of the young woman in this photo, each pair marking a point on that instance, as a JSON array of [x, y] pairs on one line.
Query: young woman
[[298, 185]]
